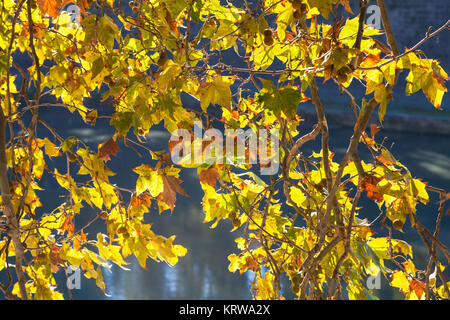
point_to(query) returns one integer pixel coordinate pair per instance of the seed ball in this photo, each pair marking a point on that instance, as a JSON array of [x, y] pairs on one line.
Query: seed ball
[[122, 229], [103, 214], [297, 4], [303, 8], [268, 41], [71, 157], [397, 224], [297, 15], [162, 58], [268, 33]]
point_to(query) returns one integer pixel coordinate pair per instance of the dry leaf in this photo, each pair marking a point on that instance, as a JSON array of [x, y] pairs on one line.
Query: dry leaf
[[171, 188], [108, 148], [54, 258], [209, 176]]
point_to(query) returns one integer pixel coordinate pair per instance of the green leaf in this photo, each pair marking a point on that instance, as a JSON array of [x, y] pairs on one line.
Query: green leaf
[[277, 101], [123, 121], [97, 67]]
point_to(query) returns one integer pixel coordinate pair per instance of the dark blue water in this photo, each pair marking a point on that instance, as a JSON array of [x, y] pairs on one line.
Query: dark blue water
[[203, 273]]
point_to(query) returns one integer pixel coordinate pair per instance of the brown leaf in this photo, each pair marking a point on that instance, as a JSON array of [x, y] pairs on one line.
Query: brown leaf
[[381, 46], [108, 148], [171, 188], [91, 117], [346, 4], [172, 23], [83, 5], [54, 258], [174, 143], [209, 176]]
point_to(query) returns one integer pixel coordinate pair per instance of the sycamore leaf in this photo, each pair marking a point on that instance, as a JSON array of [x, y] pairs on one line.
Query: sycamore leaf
[[149, 179], [51, 150], [350, 30], [369, 183], [171, 188], [54, 258], [400, 281], [108, 148], [346, 5], [284, 19], [49, 7], [209, 176], [216, 91], [418, 287], [91, 117], [277, 101], [143, 199]]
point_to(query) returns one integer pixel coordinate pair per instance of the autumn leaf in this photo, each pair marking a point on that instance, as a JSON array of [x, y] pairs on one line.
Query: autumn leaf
[[171, 188], [82, 4], [209, 176], [368, 184], [91, 117], [172, 23], [370, 61], [216, 91], [49, 7], [346, 4], [54, 258], [108, 148], [399, 280], [142, 199], [373, 130], [418, 287]]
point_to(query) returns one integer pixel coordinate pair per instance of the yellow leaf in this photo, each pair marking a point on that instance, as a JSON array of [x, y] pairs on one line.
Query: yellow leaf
[[419, 190], [150, 180], [298, 197], [216, 91], [399, 280]]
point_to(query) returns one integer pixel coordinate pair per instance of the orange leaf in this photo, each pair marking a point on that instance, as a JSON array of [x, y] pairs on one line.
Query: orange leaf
[[370, 61], [142, 199], [172, 23], [346, 4], [418, 287], [83, 236], [368, 184], [50, 7], [373, 130]]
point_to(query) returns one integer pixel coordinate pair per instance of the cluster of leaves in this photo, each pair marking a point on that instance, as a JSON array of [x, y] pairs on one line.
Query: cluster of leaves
[[143, 56]]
